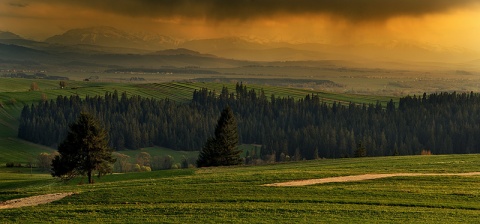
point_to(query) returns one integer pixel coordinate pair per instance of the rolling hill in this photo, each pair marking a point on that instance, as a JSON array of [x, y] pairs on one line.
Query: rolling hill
[[238, 194]]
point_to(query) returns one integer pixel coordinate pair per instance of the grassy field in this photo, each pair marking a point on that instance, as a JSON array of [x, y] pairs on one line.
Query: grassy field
[[236, 194], [182, 90], [16, 91], [159, 151]]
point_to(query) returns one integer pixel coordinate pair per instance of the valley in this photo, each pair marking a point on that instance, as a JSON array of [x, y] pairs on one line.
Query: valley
[[400, 98]]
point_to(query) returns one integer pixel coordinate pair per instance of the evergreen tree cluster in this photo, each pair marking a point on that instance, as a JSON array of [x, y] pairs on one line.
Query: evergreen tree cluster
[[132, 122], [308, 128]]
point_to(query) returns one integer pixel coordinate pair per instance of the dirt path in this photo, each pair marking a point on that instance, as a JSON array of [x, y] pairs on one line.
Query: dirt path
[[34, 200], [362, 177]]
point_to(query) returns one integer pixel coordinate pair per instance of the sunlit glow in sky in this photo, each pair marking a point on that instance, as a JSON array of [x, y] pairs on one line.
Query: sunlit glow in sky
[[449, 23]]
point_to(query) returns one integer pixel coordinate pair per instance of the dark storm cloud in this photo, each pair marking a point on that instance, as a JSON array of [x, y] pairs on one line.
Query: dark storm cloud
[[18, 4], [219, 10]]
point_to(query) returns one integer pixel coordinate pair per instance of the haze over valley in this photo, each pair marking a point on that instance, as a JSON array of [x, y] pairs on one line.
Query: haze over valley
[[101, 50], [369, 47]]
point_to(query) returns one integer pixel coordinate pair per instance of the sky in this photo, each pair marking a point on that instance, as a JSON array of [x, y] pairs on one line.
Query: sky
[[448, 23]]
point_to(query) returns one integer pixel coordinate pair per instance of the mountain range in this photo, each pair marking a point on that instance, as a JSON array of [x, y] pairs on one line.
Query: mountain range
[[146, 49], [8, 35], [111, 37]]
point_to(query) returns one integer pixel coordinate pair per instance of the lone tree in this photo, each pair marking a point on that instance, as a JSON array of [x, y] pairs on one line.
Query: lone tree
[[84, 151], [34, 87], [222, 150], [62, 84], [361, 150]]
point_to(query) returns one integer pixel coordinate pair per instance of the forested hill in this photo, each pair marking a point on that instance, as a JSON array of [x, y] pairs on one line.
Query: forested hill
[[286, 128]]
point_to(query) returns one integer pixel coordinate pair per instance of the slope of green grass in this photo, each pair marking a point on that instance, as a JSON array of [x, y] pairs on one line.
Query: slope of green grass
[[236, 194], [22, 96], [159, 151], [16, 90], [23, 85], [183, 91], [13, 149]]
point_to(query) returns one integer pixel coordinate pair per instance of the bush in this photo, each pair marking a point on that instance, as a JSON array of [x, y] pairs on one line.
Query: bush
[[13, 101], [13, 164], [145, 169], [426, 152], [44, 160], [143, 159], [168, 162], [137, 168], [122, 164]]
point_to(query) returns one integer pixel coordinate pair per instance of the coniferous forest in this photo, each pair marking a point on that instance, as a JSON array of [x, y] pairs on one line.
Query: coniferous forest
[[309, 128]]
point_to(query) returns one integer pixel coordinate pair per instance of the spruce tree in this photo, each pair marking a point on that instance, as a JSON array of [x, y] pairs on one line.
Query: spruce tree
[[84, 151], [222, 150], [209, 155], [361, 150]]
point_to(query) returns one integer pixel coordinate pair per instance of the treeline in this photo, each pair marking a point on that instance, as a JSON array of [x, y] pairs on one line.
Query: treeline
[[37, 75], [286, 128], [273, 81], [132, 122], [186, 70]]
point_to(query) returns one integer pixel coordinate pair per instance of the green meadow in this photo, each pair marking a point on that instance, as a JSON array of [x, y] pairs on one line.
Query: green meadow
[[236, 194], [160, 151], [16, 91]]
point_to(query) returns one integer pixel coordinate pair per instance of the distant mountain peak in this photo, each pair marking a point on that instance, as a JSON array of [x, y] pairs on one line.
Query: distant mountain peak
[[5, 35], [182, 51], [91, 35], [113, 37]]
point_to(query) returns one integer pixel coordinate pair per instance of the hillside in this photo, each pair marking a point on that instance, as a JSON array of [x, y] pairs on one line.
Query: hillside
[[15, 93], [237, 194]]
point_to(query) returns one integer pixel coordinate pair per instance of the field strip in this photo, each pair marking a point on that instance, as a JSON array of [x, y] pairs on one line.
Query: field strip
[[34, 200], [362, 177]]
